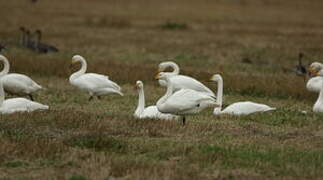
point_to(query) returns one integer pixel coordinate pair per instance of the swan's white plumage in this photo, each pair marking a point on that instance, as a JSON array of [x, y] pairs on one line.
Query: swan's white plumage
[[245, 108], [318, 106], [181, 81], [150, 111], [18, 84], [314, 84], [17, 104], [94, 84], [238, 108], [184, 101]]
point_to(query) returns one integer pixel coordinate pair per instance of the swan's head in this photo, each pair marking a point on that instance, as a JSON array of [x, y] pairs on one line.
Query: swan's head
[[216, 77], [319, 73], [314, 68], [76, 58], [162, 76], [139, 85], [162, 66]]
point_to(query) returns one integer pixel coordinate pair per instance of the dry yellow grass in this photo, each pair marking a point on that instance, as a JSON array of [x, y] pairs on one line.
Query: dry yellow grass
[[125, 39]]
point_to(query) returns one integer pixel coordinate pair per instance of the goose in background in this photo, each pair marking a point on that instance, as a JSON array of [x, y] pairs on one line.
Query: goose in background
[[94, 84], [23, 37], [184, 101], [12, 105], [150, 111], [238, 108], [17, 84], [181, 81], [41, 47]]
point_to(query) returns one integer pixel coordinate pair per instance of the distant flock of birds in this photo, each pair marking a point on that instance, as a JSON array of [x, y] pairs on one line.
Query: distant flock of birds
[[32, 41], [184, 95]]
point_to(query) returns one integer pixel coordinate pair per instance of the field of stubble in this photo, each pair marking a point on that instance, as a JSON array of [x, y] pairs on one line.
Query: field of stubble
[[252, 43]]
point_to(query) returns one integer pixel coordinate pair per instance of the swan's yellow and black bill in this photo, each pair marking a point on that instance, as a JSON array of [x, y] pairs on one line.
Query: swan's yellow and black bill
[[157, 76]]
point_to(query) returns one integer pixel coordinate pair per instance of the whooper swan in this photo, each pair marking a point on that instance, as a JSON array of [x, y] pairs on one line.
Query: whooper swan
[[238, 108], [181, 81], [17, 84], [314, 84], [94, 84], [150, 111], [318, 106], [17, 104], [182, 102]]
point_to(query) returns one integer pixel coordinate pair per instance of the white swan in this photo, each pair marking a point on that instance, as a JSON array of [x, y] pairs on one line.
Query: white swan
[[150, 111], [17, 104], [94, 84], [314, 84], [238, 108], [181, 81], [17, 84], [318, 106], [184, 101]]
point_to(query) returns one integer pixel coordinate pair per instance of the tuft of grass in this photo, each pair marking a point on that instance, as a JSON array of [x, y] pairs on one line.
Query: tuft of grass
[[171, 25], [14, 164], [77, 177]]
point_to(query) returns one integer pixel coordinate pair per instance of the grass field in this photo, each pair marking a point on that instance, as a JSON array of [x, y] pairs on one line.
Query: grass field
[[126, 40]]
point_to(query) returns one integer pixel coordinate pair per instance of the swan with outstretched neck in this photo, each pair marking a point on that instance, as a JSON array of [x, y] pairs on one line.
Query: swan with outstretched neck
[[95, 84], [150, 111], [238, 108], [12, 105], [182, 102], [17, 84], [181, 81]]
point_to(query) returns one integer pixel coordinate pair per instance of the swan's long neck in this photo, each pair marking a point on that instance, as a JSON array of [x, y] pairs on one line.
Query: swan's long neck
[[1, 94], [141, 102], [175, 68], [6, 66], [219, 97], [168, 93], [319, 101], [79, 72]]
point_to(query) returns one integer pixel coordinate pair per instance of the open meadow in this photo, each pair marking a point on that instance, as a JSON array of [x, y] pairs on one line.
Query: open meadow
[[253, 44]]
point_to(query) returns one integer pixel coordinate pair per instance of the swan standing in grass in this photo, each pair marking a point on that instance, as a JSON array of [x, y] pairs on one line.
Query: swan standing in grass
[[150, 111], [17, 84], [318, 106], [94, 84], [182, 102], [17, 104], [238, 108], [181, 81]]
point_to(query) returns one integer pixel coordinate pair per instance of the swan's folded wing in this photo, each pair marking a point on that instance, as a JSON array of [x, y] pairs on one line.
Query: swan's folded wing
[[186, 82], [186, 99], [96, 81]]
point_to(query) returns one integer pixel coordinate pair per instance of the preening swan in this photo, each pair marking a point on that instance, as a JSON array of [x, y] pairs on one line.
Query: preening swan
[[17, 84], [314, 84], [17, 104], [238, 108], [94, 84], [318, 106], [181, 81], [150, 111], [182, 102]]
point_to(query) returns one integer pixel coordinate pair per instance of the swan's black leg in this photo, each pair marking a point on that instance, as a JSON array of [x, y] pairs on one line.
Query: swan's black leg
[[91, 97], [183, 120], [31, 97]]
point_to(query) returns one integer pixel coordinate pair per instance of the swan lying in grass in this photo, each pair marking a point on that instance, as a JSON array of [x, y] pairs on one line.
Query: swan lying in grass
[[238, 108], [182, 102], [150, 111], [181, 81], [17, 104], [318, 106], [17, 84], [94, 84]]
